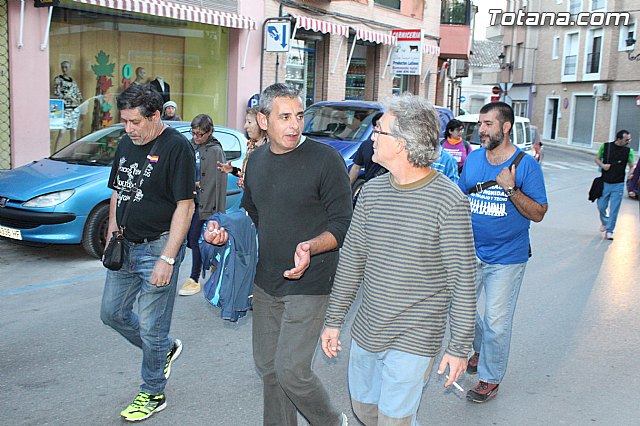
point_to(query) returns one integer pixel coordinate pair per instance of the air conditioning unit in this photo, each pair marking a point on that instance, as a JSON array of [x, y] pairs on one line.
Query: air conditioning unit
[[599, 90]]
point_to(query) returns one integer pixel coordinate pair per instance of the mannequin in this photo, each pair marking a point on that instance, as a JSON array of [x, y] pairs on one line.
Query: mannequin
[[162, 87], [66, 89], [141, 75]]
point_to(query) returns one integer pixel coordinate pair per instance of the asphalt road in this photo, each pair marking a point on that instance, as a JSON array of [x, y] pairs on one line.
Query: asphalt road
[[572, 360]]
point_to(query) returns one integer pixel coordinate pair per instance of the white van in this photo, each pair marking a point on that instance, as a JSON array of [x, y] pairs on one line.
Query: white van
[[520, 134]]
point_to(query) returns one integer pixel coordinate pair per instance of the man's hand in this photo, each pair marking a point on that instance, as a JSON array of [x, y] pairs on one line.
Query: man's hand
[[507, 178], [457, 366], [330, 343], [215, 235], [161, 275], [301, 261], [605, 167]]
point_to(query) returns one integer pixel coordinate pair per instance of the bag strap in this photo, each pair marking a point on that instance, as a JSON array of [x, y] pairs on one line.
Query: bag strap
[[125, 210], [488, 184]]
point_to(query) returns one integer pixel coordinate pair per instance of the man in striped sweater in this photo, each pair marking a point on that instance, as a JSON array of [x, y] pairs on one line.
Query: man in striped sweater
[[410, 246]]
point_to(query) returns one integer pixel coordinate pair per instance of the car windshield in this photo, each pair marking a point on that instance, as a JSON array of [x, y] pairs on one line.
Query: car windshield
[[96, 148], [345, 123]]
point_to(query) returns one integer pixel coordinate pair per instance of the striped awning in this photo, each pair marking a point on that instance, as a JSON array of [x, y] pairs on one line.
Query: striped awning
[[178, 11], [430, 48], [376, 37], [319, 26]]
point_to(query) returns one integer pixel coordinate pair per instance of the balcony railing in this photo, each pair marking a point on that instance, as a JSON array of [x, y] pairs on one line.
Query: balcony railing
[[570, 64]]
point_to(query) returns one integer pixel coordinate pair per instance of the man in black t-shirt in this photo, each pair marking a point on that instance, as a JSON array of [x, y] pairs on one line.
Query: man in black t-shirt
[[297, 193], [613, 158], [152, 205]]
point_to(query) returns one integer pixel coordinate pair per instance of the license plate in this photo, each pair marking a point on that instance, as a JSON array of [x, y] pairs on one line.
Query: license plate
[[10, 233]]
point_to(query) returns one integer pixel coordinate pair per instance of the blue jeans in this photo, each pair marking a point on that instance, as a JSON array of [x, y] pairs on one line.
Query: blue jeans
[[386, 387], [285, 336], [612, 198], [501, 284], [147, 329]]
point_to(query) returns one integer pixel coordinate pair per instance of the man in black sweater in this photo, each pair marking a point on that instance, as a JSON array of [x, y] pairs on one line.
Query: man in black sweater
[[297, 192]]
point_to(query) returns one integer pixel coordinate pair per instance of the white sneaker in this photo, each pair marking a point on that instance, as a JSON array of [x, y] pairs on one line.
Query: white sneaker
[[610, 236], [189, 288]]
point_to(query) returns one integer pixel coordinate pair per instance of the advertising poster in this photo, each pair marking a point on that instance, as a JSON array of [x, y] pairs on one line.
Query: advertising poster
[[56, 114], [407, 54]]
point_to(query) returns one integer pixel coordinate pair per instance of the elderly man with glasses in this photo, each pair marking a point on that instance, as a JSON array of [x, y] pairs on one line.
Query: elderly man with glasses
[[410, 246]]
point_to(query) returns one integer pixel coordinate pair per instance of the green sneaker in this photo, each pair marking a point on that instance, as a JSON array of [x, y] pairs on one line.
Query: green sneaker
[[172, 355], [143, 407]]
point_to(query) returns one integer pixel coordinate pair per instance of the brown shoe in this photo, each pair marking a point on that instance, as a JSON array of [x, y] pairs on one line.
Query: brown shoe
[[472, 366], [483, 392]]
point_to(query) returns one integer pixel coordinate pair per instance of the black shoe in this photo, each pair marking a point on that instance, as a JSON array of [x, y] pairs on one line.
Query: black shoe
[[472, 366], [483, 392]]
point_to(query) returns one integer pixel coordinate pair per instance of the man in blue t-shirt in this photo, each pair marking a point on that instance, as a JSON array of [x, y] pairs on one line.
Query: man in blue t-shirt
[[500, 216]]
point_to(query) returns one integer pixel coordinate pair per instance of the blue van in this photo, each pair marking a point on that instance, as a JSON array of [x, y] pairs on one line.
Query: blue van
[[346, 124]]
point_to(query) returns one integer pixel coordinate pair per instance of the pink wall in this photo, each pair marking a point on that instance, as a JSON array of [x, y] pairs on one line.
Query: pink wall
[[455, 41], [244, 82], [29, 85]]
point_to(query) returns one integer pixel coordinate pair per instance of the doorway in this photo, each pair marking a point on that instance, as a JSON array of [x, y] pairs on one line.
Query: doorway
[[551, 119]]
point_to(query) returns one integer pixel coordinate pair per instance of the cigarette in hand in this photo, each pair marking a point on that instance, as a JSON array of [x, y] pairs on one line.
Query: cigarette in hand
[[456, 385]]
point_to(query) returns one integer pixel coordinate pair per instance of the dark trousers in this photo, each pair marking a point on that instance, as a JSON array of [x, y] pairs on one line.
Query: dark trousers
[[286, 331], [192, 241]]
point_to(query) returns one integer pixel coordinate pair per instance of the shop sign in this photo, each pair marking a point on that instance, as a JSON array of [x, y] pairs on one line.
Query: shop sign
[[278, 36], [56, 114], [46, 3], [407, 54]]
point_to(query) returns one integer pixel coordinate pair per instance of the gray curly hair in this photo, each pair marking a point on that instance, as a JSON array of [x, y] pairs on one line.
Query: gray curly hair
[[416, 122]]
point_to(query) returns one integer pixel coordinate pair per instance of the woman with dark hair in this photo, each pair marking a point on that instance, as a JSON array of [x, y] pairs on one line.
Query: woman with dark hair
[[454, 144], [211, 192]]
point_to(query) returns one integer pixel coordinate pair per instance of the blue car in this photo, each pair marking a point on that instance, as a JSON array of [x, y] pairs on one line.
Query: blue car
[[64, 199], [346, 124]]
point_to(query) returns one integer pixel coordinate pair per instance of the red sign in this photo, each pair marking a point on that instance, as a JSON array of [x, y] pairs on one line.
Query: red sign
[[495, 90], [495, 98]]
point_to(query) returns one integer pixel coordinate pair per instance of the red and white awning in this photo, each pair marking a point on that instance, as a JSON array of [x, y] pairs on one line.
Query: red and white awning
[[319, 26], [178, 11], [376, 37], [430, 48]]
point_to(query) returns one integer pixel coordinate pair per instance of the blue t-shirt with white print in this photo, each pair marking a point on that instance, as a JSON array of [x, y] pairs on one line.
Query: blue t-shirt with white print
[[500, 232]]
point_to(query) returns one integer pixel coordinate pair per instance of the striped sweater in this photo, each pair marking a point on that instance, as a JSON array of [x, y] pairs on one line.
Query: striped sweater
[[411, 247]]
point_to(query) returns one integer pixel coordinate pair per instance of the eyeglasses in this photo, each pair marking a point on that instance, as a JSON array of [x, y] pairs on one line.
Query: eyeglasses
[[198, 134], [377, 131]]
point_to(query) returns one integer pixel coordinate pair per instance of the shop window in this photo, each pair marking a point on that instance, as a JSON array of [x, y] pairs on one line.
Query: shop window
[[300, 69], [400, 84], [356, 78], [391, 4], [189, 60], [455, 12]]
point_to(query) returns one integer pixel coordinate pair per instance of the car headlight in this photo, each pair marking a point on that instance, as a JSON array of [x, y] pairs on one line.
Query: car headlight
[[49, 200]]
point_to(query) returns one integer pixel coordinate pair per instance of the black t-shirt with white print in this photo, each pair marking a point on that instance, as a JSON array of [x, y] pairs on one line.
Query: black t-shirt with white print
[[167, 180]]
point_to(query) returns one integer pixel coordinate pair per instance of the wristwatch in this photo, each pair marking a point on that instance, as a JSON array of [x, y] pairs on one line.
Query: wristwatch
[[169, 260], [510, 191]]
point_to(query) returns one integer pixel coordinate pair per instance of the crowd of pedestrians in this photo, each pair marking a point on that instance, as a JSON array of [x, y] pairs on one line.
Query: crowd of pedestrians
[[434, 227]]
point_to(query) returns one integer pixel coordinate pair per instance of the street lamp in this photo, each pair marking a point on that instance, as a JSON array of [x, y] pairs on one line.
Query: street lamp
[[505, 66]]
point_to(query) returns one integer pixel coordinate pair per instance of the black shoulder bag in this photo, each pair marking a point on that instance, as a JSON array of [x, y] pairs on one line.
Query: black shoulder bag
[[488, 184], [113, 256]]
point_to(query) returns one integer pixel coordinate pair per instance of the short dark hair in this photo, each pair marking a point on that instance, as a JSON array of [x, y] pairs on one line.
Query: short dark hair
[[203, 122], [452, 125], [144, 97], [505, 112], [621, 133]]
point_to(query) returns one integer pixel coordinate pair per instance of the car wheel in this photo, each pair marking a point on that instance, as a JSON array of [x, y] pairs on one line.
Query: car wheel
[[94, 237], [355, 189]]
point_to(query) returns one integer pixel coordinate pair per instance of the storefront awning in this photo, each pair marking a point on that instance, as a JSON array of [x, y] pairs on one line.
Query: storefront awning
[[181, 12], [429, 48], [319, 26], [376, 37]]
